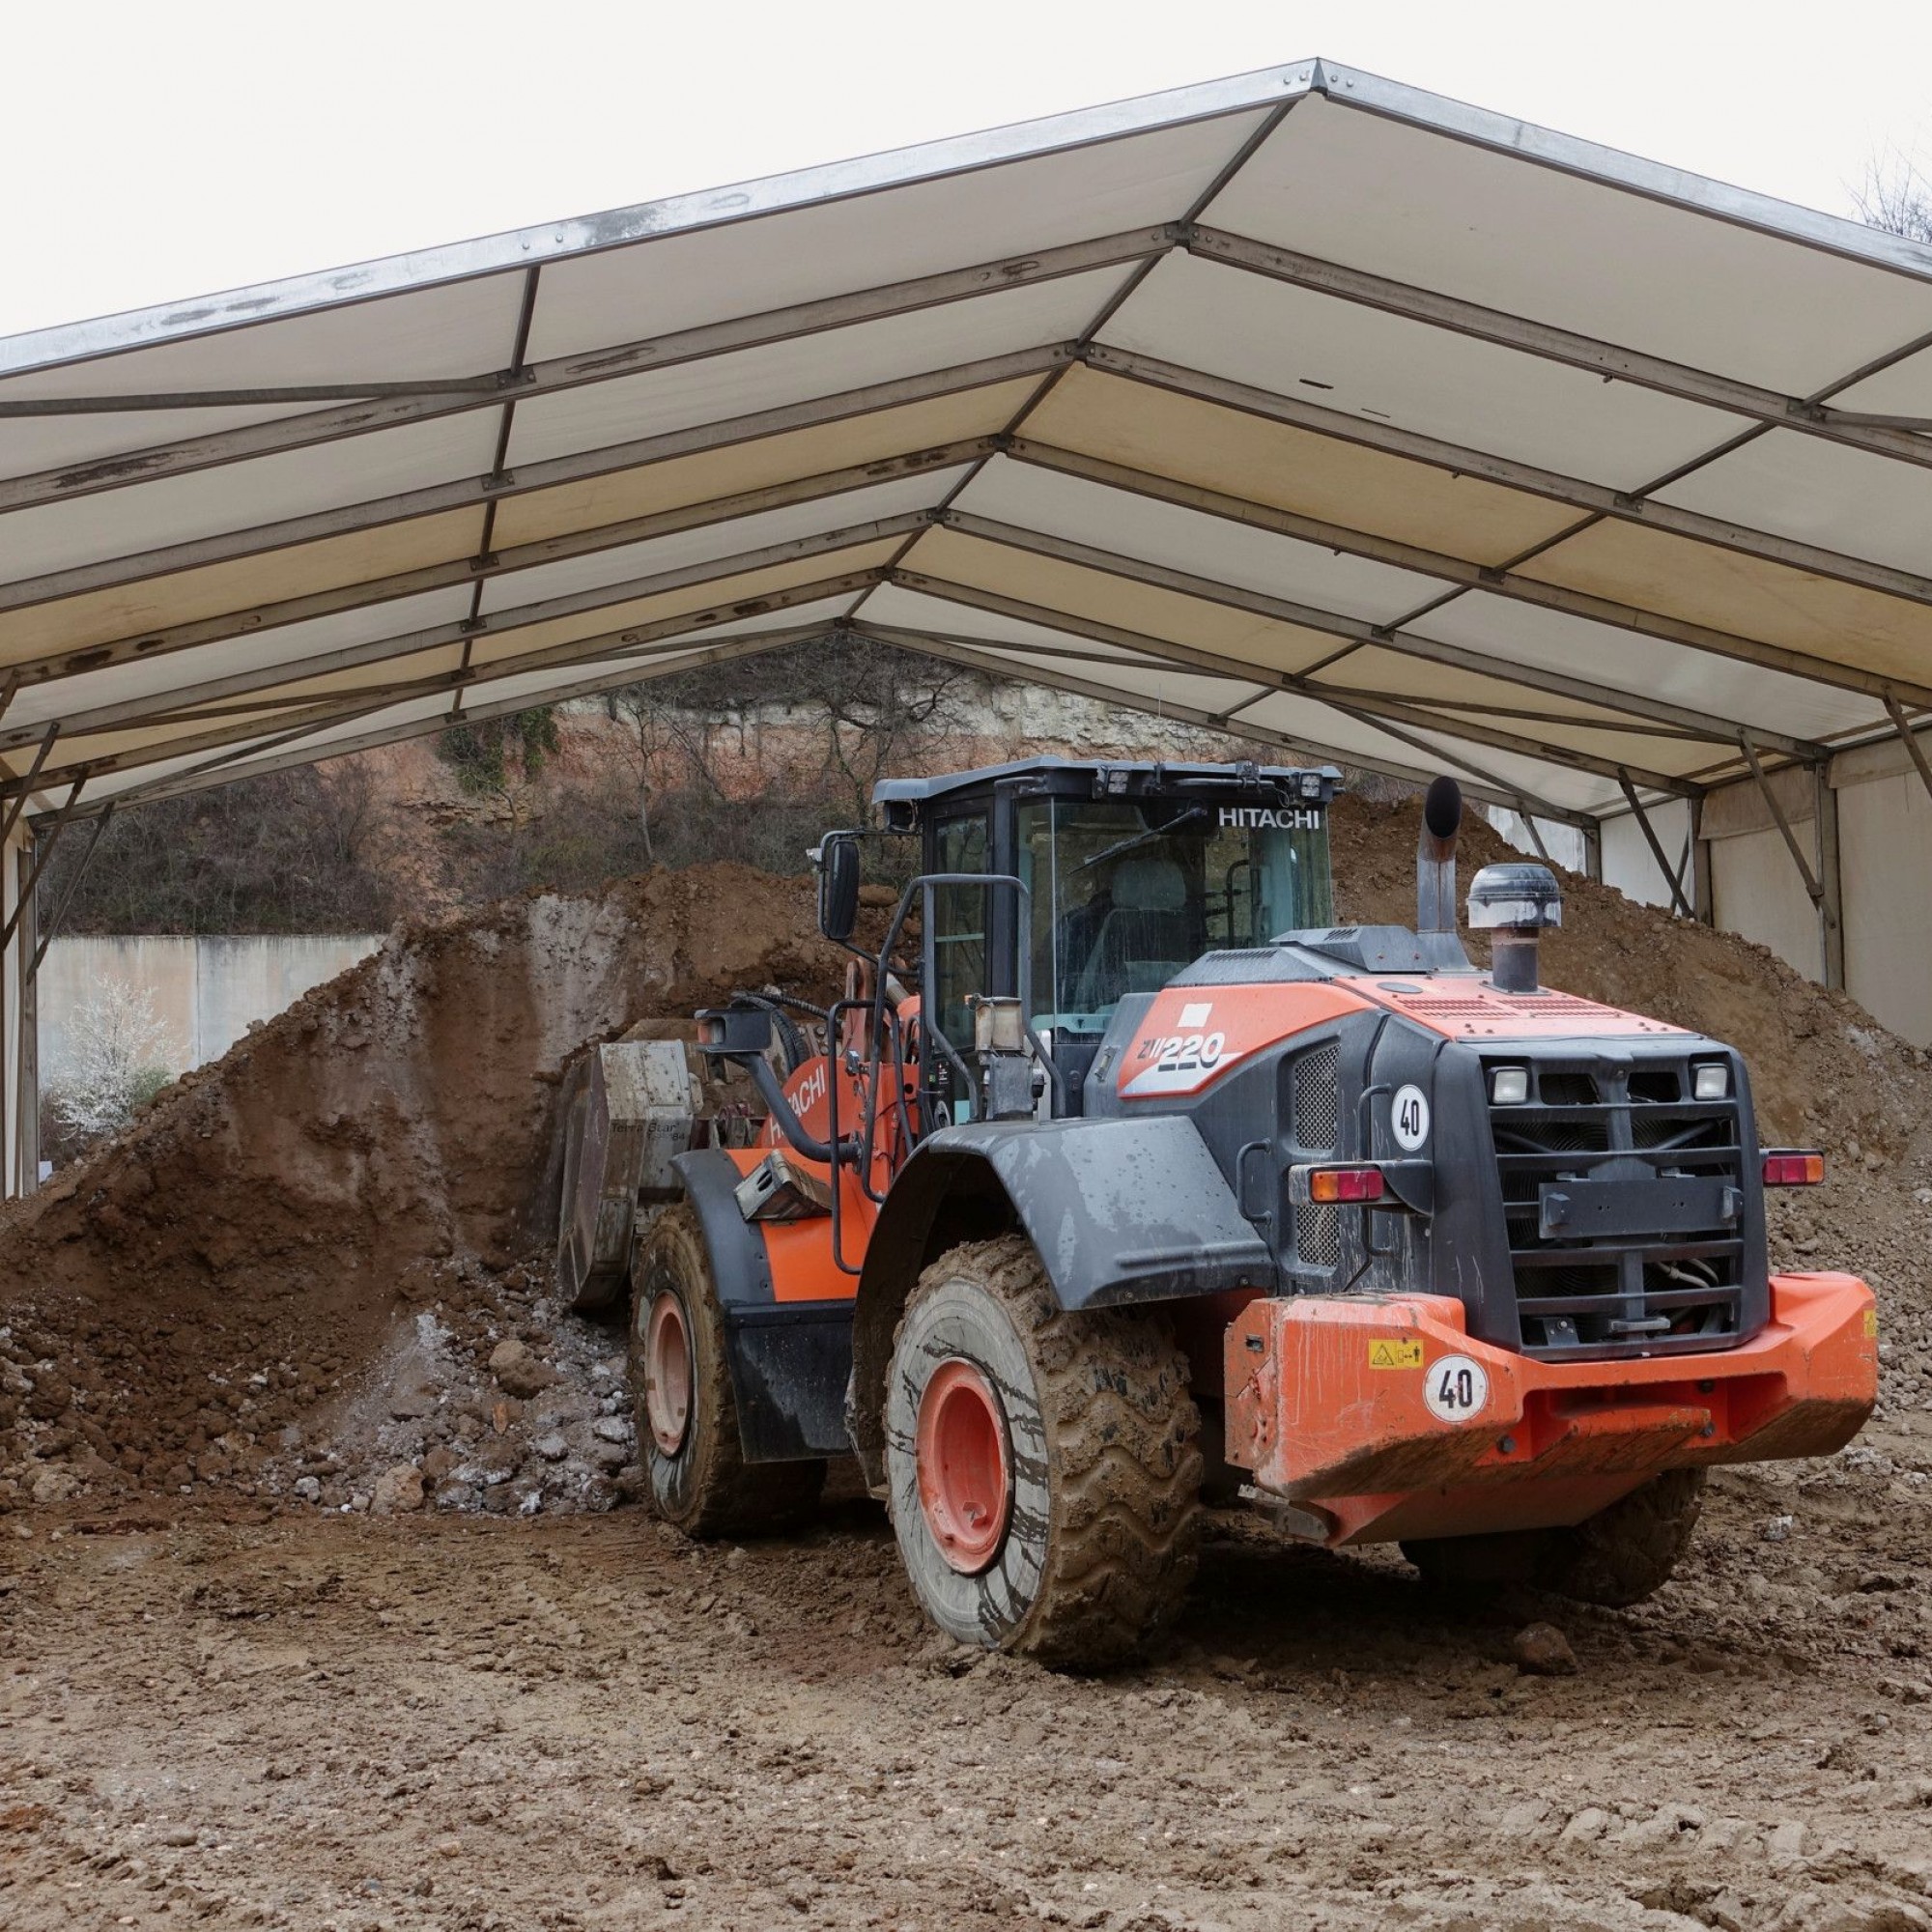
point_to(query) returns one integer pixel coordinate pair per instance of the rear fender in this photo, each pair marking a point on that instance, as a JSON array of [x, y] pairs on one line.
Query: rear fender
[[1120, 1210]]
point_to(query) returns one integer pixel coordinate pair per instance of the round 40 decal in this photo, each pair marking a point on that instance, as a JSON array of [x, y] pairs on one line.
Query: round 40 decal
[[1408, 1118], [1456, 1388]]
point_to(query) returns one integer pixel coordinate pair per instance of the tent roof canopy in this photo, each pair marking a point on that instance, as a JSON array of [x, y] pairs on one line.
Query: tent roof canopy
[[1341, 417]]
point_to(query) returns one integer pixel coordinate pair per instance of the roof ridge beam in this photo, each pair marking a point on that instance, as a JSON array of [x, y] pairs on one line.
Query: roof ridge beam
[[1876, 436], [1359, 631], [929, 644], [473, 491], [1219, 666], [466, 631], [1471, 575], [380, 406], [1597, 499]]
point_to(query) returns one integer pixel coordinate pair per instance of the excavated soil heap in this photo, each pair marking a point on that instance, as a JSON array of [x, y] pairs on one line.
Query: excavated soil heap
[[207, 1278], [199, 1295]]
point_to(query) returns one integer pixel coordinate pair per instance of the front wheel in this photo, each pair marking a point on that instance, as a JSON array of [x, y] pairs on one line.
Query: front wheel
[[687, 1419], [1617, 1558], [1043, 1468]]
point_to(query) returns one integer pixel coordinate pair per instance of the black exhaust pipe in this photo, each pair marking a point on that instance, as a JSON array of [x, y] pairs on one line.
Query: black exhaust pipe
[[1436, 857]]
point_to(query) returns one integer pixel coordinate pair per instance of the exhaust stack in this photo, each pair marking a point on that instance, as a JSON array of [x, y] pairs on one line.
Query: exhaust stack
[[1515, 902], [1436, 857]]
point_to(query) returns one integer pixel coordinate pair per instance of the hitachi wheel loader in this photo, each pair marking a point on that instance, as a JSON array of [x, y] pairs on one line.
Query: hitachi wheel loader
[[1133, 1186]]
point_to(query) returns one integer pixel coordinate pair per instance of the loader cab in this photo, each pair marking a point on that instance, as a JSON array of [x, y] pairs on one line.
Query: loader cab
[[1131, 872]]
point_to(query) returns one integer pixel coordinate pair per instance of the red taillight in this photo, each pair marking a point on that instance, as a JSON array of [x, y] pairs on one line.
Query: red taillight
[[1789, 1169], [1344, 1184]]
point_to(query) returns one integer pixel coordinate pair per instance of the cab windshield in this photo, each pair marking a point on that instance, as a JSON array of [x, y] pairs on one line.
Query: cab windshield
[[1128, 891]]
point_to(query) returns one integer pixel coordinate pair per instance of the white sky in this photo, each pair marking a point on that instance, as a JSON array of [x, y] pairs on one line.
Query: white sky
[[157, 149]]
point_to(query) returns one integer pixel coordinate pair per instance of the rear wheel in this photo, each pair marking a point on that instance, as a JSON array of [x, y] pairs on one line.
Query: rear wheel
[[1619, 1556], [1043, 1466], [686, 1420]]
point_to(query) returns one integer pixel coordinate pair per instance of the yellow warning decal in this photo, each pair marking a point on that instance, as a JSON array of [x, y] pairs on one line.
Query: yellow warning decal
[[1872, 1320], [1395, 1354]]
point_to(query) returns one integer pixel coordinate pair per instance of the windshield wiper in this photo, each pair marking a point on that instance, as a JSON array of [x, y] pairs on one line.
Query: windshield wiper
[[1137, 839]]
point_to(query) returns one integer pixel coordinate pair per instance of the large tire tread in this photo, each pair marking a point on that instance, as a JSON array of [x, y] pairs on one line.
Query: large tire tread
[[1125, 1461], [1615, 1558], [718, 1493]]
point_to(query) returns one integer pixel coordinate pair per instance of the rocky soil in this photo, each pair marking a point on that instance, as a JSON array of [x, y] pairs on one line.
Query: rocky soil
[[315, 1608]]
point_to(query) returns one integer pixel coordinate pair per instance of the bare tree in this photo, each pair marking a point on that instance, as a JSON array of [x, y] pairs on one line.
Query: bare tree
[[883, 708], [1896, 196]]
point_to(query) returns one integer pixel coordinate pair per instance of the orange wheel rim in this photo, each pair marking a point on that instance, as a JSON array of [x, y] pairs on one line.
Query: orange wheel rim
[[667, 1374], [964, 1488]]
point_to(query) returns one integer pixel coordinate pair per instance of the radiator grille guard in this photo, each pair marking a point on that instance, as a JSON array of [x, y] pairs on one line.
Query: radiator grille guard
[[1625, 1207]]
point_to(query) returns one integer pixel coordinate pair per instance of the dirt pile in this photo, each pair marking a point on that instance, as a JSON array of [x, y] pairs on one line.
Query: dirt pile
[[182, 1306]]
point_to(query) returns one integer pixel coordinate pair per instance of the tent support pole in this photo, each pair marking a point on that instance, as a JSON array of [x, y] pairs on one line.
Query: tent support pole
[[1672, 876], [1831, 905], [1702, 885]]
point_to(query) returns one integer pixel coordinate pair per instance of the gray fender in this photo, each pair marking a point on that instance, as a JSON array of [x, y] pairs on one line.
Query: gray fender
[[1120, 1212]]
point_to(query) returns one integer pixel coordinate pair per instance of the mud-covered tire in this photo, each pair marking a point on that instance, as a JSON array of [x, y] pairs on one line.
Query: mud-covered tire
[[705, 1486], [1102, 1528], [1617, 1558]]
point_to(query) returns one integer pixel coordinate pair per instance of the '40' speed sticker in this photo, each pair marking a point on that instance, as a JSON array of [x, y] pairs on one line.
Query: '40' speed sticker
[[1456, 1388]]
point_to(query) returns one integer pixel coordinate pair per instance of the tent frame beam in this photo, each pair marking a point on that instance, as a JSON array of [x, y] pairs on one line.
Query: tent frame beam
[[1243, 671], [44, 852], [490, 628], [927, 643], [248, 765], [1913, 750], [402, 403], [1594, 499], [1395, 637], [636, 639], [461, 571], [30, 970], [1672, 878], [1879, 435], [1498, 580], [470, 493]]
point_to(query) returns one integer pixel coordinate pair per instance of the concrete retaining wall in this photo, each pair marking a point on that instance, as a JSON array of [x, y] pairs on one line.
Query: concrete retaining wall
[[205, 991]]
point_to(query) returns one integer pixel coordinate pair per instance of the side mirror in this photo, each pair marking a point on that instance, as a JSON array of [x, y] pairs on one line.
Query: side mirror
[[838, 861]]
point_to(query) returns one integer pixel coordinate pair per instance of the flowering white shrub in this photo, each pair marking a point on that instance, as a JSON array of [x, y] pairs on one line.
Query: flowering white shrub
[[119, 1049]]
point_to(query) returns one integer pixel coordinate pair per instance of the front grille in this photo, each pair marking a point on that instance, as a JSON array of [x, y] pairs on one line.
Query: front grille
[[1316, 1096], [1632, 1292]]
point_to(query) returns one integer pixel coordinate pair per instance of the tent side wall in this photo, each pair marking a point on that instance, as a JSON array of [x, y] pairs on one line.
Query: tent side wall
[[1883, 836]]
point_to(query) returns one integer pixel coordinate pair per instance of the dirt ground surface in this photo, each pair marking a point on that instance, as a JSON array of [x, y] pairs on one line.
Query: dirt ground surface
[[457, 1722], [325, 1603]]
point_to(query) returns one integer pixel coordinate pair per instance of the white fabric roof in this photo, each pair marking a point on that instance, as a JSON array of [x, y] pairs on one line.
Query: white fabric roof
[[1377, 426]]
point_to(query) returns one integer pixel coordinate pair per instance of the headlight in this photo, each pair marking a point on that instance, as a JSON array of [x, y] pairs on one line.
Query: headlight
[[1711, 1081], [1509, 1086]]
